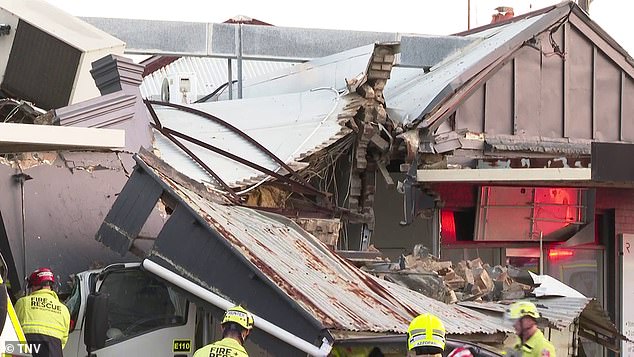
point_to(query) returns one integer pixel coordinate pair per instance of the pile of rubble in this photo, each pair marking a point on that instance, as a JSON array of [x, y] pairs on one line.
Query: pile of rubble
[[465, 281]]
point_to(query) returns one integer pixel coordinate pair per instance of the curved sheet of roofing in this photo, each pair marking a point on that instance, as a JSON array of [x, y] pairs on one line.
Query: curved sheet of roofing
[[336, 293], [210, 73], [290, 126]]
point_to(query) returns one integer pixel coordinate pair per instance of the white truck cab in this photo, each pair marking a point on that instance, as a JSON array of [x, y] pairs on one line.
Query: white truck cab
[[134, 314]]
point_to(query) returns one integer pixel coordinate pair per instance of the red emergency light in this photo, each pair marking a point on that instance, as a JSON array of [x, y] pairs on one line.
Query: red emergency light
[[560, 253]]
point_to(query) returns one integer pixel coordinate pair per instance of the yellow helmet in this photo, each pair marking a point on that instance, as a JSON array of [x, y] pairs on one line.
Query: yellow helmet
[[519, 309], [426, 330], [240, 316]]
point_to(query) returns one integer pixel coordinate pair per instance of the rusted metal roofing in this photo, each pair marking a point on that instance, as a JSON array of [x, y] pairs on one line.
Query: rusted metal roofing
[[291, 126], [322, 283]]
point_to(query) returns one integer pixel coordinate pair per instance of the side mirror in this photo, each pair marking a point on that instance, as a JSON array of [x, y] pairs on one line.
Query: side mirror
[[96, 322]]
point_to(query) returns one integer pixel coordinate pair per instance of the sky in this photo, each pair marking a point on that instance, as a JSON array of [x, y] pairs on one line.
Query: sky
[[434, 17]]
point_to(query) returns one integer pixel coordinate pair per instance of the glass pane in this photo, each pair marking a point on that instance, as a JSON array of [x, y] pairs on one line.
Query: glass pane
[[139, 302], [73, 302]]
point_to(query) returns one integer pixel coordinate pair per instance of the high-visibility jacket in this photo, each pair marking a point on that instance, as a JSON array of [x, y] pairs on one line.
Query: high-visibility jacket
[[42, 313], [227, 347], [536, 346]]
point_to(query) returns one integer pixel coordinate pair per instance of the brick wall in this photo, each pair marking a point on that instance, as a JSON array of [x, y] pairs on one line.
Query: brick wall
[[622, 201]]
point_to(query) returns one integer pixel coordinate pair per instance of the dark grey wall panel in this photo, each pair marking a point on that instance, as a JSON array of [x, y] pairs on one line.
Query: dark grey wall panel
[[129, 212], [609, 162], [41, 68], [389, 236]]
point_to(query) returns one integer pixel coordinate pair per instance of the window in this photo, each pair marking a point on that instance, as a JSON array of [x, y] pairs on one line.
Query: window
[[139, 302], [525, 213]]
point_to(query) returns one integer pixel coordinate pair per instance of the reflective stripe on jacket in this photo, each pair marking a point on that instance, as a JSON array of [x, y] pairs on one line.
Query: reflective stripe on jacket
[[42, 313], [227, 347]]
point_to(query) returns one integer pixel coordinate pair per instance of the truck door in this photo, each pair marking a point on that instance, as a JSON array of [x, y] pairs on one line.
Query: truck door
[[146, 317]]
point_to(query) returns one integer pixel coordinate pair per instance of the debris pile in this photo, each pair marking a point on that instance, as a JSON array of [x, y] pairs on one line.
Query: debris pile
[[442, 280]]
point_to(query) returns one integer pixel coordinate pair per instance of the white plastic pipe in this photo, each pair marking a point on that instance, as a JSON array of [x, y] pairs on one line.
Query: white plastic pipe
[[225, 304]]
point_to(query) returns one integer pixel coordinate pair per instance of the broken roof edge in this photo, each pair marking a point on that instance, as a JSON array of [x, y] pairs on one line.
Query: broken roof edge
[[405, 300], [149, 161], [159, 176], [438, 110]]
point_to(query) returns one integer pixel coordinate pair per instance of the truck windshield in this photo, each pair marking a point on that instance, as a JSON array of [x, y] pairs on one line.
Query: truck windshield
[[73, 302], [139, 302]]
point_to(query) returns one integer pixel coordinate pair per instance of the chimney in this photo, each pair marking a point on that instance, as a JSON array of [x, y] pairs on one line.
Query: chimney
[[114, 73], [503, 13]]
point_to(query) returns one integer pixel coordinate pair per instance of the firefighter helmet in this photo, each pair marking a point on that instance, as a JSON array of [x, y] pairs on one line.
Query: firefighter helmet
[[426, 330], [38, 277], [519, 309], [240, 316]]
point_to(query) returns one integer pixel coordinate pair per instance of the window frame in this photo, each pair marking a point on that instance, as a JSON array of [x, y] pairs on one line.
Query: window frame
[[113, 341]]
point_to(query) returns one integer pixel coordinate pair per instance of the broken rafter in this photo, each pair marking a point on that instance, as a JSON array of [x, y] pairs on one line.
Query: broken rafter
[[232, 193], [232, 128]]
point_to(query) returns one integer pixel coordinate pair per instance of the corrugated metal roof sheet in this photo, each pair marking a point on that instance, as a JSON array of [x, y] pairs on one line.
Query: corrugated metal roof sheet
[[210, 73], [291, 126], [560, 312], [328, 287], [409, 99], [330, 72]]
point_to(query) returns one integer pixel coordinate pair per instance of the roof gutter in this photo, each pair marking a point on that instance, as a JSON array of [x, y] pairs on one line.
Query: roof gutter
[[220, 302]]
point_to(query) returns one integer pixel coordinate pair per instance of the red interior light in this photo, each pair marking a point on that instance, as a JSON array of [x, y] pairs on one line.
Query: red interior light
[[560, 253]]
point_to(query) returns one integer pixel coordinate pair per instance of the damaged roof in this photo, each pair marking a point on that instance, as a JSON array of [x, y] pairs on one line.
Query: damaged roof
[[413, 97], [302, 272], [426, 98], [290, 126], [332, 290], [308, 112], [335, 71]]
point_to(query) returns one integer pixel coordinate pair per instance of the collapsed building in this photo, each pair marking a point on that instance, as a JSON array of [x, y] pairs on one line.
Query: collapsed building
[[317, 150]]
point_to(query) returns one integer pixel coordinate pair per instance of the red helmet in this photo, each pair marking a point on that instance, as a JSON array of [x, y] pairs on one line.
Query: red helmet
[[40, 276]]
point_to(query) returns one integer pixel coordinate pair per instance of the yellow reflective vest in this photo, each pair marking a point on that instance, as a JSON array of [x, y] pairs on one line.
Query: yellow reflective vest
[[536, 346], [227, 347], [42, 313]]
